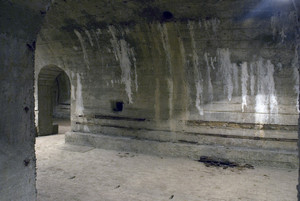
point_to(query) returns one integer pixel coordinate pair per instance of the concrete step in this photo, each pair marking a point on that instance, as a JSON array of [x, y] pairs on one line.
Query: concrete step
[[61, 111], [203, 135], [253, 156]]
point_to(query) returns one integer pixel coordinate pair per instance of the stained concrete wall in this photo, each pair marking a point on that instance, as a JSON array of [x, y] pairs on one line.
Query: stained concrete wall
[[19, 24], [206, 62], [205, 73], [297, 5]]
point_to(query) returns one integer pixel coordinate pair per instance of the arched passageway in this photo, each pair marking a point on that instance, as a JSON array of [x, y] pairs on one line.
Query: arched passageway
[[53, 99], [61, 96]]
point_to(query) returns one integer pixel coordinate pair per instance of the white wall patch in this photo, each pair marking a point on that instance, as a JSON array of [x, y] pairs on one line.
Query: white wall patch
[[84, 50]]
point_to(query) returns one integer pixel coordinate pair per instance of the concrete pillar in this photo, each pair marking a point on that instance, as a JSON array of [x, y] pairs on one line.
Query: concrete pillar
[[20, 22], [297, 10]]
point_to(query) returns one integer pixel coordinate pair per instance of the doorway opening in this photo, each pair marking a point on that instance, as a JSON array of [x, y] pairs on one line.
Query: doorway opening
[[53, 101]]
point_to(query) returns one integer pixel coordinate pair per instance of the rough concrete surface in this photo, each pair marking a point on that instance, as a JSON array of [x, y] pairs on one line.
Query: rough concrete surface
[[173, 65], [167, 63], [19, 24], [284, 159], [69, 172]]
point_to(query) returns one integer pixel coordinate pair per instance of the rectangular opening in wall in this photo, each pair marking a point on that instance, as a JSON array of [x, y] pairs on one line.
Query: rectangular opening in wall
[[117, 106]]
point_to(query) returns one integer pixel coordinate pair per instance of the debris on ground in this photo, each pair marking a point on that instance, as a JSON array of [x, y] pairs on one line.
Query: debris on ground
[[126, 155], [224, 163]]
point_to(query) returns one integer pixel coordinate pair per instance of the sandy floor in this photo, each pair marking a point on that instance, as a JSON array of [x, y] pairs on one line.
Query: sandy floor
[[64, 125], [73, 173]]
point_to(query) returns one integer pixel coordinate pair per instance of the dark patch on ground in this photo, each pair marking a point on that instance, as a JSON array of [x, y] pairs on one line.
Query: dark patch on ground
[[126, 155], [224, 163]]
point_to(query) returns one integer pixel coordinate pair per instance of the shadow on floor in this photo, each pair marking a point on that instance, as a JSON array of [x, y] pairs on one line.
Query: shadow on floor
[[64, 125]]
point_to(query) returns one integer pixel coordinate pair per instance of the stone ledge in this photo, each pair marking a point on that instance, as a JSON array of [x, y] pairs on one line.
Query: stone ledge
[[261, 157], [247, 138]]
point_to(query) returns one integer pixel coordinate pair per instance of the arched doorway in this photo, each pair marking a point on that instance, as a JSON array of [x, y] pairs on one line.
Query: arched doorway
[[53, 100]]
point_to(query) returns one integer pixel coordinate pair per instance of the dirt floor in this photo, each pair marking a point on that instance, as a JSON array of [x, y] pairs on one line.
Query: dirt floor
[[79, 173], [64, 125]]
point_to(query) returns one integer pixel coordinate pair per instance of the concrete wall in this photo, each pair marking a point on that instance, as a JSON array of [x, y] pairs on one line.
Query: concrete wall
[[207, 62], [19, 24], [70, 40], [205, 73]]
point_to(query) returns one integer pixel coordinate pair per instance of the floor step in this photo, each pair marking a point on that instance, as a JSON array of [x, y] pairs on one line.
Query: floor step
[[253, 156]]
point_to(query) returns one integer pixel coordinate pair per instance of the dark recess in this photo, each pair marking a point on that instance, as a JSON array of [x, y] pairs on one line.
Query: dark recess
[[118, 118], [26, 162], [167, 15], [117, 106], [26, 109]]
